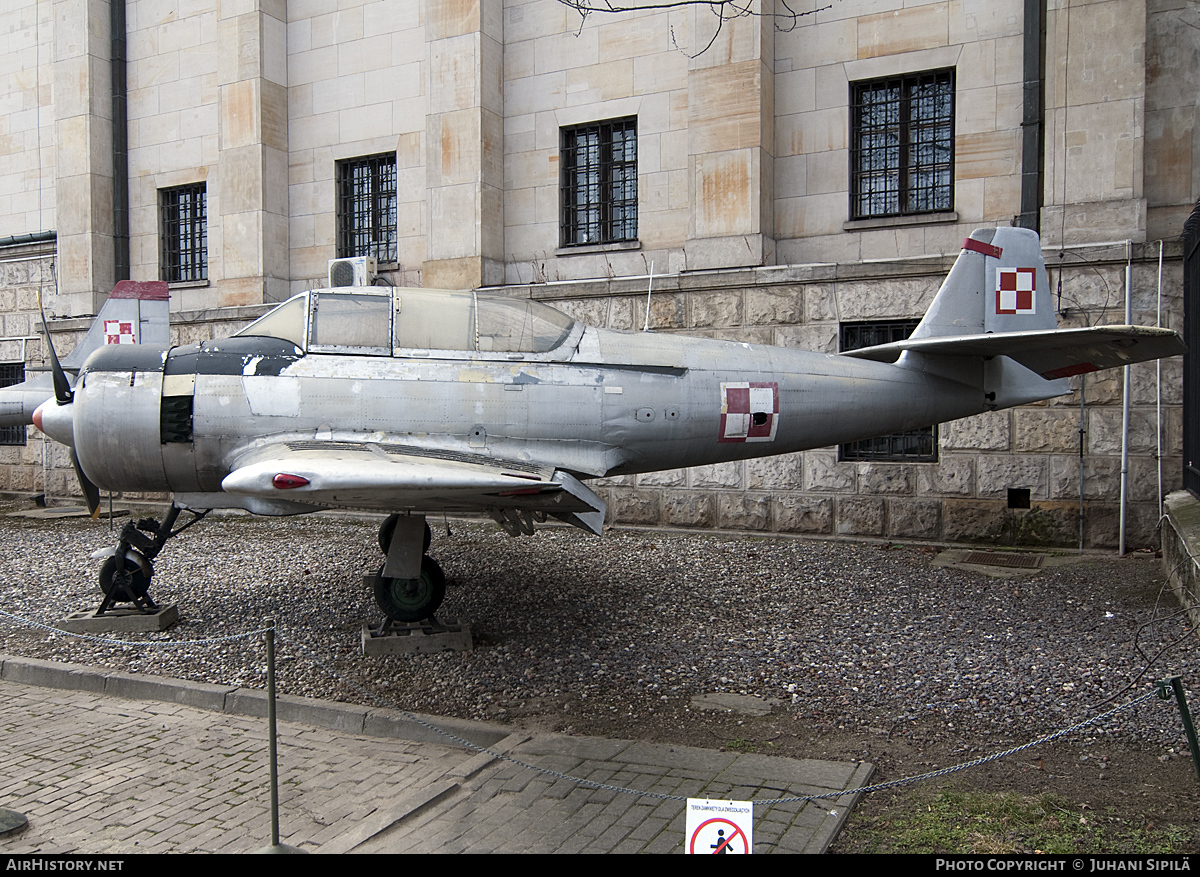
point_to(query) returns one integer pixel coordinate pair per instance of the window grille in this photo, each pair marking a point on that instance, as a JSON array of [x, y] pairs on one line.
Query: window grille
[[12, 373], [366, 208], [914, 445], [599, 183], [902, 145], [184, 213]]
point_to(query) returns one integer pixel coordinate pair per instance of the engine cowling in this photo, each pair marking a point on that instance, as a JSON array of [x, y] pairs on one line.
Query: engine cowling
[[117, 412]]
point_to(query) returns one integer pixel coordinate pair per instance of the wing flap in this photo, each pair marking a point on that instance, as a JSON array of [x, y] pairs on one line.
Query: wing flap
[[1053, 353]]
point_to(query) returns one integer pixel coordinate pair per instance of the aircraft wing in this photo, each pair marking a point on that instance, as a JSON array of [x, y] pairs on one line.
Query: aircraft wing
[[395, 477], [1053, 353]]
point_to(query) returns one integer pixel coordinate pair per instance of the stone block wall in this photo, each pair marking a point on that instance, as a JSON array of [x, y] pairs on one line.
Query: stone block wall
[[964, 495], [25, 272], [1181, 550]]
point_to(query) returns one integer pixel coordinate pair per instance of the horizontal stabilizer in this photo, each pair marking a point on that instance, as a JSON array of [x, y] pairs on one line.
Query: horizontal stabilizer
[[1051, 353]]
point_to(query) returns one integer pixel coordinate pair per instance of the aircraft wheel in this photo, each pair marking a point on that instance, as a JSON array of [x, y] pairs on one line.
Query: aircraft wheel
[[139, 582], [388, 528], [412, 599]]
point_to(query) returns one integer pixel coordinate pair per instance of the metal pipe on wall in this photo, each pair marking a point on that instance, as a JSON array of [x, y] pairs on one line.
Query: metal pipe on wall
[[120, 144], [1125, 400]]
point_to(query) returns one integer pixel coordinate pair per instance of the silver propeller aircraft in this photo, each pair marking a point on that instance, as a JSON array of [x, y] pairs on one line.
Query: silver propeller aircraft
[[415, 401]]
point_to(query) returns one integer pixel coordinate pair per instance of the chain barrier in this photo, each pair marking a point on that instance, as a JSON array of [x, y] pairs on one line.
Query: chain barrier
[[462, 741], [120, 642], [933, 774], [764, 801]]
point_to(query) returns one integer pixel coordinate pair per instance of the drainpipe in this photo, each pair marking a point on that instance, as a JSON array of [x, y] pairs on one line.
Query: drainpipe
[[1032, 124], [120, 139], [1158, 431]]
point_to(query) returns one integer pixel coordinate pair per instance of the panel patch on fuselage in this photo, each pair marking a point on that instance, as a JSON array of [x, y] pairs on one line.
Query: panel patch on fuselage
[[749, 411]]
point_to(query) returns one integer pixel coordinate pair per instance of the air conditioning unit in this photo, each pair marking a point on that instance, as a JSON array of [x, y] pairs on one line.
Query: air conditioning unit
[[355, 271]]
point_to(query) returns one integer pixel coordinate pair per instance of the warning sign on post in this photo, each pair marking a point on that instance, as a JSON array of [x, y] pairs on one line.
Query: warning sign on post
[[719, 828]]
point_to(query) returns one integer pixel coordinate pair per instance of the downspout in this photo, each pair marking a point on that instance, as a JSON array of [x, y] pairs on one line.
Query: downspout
[[1158, 424], [120, 140], [1032, 122]]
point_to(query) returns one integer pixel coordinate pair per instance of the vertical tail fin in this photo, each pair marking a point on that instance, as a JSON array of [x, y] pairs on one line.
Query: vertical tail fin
[[137, 312], [998, 284]]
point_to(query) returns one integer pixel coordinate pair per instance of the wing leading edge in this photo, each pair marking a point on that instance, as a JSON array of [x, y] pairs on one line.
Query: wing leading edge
[[1052, 353], [388, 477]]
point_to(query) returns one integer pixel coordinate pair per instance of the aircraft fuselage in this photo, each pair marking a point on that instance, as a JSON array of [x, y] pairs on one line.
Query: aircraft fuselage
[[605, 403]]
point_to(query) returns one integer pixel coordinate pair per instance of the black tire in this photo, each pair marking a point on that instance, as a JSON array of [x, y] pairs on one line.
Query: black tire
[[388, 528], [411, 599], [139, 582]]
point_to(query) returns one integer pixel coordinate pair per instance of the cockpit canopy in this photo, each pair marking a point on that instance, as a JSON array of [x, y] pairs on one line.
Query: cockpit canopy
[[386, 321]]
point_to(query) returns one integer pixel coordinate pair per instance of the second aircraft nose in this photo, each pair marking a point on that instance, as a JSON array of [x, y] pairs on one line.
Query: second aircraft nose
[[56, 421]]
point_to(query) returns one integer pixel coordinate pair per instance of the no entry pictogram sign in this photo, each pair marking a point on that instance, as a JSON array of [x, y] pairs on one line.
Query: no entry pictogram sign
[[729, 833]]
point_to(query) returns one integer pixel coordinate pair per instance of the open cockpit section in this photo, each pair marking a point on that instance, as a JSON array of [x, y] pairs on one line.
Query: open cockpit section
[[409, 322]]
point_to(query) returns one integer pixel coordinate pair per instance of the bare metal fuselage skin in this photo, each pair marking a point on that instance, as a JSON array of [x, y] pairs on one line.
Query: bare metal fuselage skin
[[601, 403]]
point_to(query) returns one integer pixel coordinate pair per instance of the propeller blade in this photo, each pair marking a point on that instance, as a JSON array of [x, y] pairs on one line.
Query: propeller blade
[[62, 387], [91, 492]]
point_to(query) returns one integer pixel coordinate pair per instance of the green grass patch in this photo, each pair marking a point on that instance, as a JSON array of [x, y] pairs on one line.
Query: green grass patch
[[998, 823]]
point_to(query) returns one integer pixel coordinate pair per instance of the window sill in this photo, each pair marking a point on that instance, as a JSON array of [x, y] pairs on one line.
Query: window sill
[[894, 221], [186, 284], [584, 249]]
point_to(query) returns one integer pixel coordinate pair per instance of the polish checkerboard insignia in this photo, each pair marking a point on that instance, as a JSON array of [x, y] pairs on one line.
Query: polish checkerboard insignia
[[1016, 290], [749, 411], [119, 332]]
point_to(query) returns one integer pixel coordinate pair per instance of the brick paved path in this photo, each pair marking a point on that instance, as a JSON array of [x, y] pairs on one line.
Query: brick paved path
[[100, 774]]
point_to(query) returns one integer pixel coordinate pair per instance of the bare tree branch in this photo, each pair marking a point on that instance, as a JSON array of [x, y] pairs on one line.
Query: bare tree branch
[[725, 10]]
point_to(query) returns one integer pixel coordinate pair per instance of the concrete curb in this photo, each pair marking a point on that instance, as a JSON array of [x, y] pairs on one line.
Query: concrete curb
[[328, 714]]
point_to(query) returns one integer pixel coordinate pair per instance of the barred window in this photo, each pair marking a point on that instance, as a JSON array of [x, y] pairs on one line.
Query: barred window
[[914, 445], [184, 215], [366, 207], [902, 145], [599, 183], [12, 373]]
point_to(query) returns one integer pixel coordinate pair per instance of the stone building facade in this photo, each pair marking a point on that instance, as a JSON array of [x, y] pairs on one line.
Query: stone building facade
[[470, 143]]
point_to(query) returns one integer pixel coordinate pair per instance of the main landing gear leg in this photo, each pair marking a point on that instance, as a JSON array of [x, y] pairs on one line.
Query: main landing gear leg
[[410, 585], [126, 572]]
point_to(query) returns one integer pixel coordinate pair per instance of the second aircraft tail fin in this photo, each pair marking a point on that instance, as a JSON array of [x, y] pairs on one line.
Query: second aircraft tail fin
[[137, 312]]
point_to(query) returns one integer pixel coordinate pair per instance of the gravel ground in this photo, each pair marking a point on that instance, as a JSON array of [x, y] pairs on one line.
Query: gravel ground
[[617, 635]]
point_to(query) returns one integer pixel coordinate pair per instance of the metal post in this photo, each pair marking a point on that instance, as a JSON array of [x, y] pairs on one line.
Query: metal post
[[271, 750], [1125, 403], [1184, 713]]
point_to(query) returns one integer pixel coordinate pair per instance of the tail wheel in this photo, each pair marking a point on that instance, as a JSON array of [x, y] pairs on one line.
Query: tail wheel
[[388, 529], [412, 599], [138, 582]]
